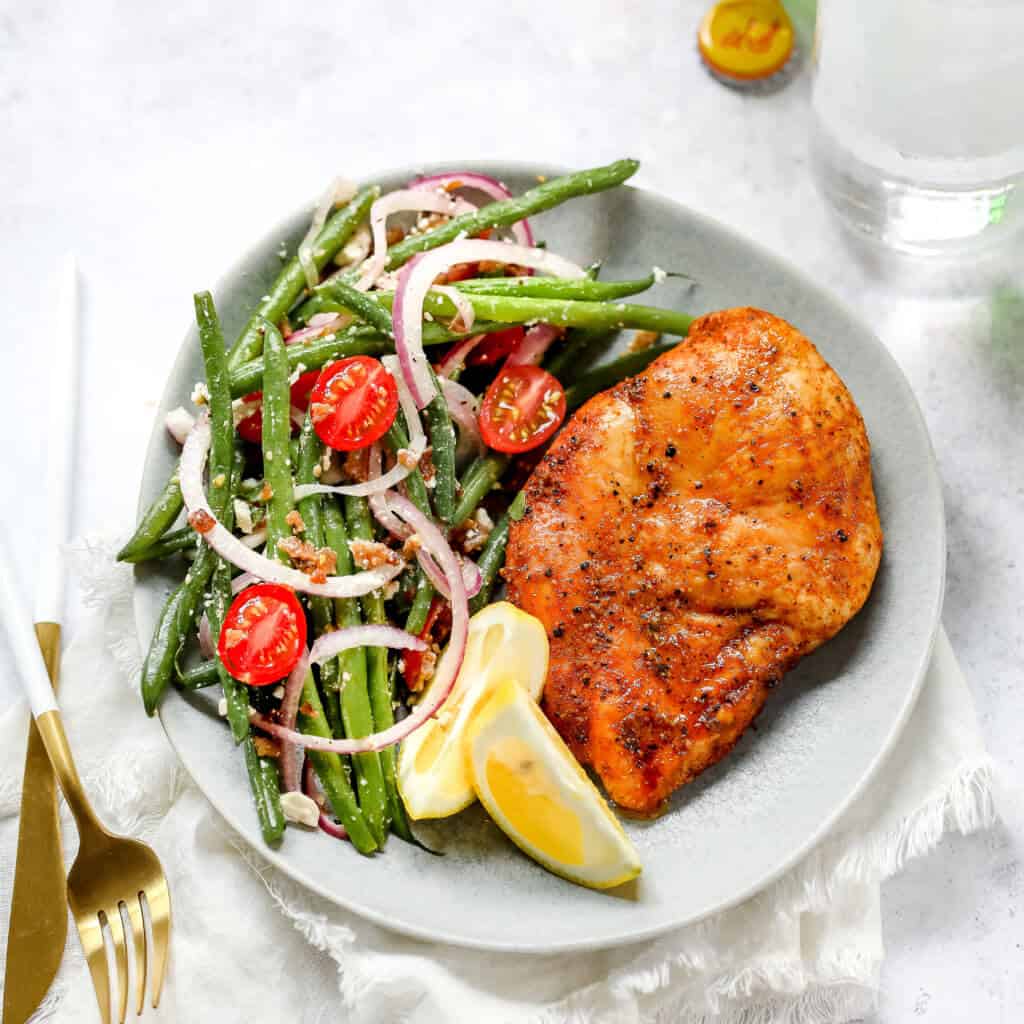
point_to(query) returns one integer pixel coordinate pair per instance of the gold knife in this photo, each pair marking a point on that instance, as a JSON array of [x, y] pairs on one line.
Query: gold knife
[[39, 911]]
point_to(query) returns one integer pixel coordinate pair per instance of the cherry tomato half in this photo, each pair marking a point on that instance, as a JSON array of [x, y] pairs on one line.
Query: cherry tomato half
[[496, 347], [263, 635], [522, 408], [353, 403], [251, 428]]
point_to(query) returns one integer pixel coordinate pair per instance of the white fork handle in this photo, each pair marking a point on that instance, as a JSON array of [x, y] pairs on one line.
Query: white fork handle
[[28, 658]]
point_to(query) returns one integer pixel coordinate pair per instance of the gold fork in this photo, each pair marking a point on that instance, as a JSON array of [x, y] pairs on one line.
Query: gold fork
[[114, 880]]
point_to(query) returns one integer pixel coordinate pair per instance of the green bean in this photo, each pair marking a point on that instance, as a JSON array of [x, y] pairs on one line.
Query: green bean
[[511, 309], [508, 211], [276, 430], [604, 377], [265, 780], [276, 433], [171, 543], [360, 527], [330, 770], [358, 303], [310, 450], [155, 521], [163, 649], [582, 345], [222, 429], [492, 557], [419, 610], [555, 287], [442, 442], [199, 676], [356, 711], [291, 281], [478, 481]]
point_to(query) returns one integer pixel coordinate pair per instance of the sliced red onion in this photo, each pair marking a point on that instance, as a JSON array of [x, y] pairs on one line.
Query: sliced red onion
[[536, 341], [255, 539], [327, 322], [227, 545], [455, 359], [447, 671], [378, 504], [463, 307], [330, 645], [310, 788], [472, 578], [400, 202], [340, 191], [206, 647], [482, 183], [418, 276], [463, 406], [243, 580], [178, 423]]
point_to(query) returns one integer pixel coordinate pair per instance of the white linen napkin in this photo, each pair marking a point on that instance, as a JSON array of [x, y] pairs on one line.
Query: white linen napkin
[[249, 945]]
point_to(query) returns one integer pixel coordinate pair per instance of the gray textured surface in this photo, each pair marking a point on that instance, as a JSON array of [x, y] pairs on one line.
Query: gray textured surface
[[154, 139]]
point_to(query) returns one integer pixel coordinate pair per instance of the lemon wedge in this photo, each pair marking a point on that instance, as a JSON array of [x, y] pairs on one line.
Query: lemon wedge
[[540, 797], [504, 644]]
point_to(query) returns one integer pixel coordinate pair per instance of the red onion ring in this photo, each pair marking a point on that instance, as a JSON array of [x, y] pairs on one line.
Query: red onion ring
[[417, 278], [455, 358], [206, 647], [310, 789], [327, 322], [482, 183], [464, 310], [377, 502], [340, 191], [471, 575], [463, 407], [536, 341], [447, 670], [402, 201], [330, 645], [227, 545]]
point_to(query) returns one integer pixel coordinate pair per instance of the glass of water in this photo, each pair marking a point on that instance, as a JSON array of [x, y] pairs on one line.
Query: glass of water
[[917, 134]]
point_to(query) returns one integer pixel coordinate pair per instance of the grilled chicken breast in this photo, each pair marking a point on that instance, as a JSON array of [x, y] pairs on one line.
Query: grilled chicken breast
[[689, 537]]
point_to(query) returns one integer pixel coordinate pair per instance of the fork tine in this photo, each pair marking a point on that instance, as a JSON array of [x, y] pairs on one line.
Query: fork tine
[[134, 911], [90, 933], [121, 960], [158, 899]]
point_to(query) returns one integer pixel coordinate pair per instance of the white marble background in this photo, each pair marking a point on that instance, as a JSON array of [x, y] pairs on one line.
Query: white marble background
[[156, 140]]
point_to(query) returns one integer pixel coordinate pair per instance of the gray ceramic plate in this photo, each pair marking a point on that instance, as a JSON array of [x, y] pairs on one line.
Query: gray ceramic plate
[[824, 732]]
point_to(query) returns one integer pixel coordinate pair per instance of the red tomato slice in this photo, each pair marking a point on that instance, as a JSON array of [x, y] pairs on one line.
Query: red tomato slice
[[496, 347], [251, 428], [522, 408], [413, 660], [353, 403], [263, 635]]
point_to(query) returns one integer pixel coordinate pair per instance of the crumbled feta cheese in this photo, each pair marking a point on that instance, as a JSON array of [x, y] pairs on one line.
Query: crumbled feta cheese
[[200, 393], [268, 455], [222, 707], [300, 369], [179, 422], [219, 480], [659, 275], [278, 692], [300, 809], [243, 515]]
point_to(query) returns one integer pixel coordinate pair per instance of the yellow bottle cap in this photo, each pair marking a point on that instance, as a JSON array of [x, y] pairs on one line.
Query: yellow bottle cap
[[746, 40]]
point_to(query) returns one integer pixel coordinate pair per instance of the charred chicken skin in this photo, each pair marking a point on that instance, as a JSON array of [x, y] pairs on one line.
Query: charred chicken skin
[[691, 535]]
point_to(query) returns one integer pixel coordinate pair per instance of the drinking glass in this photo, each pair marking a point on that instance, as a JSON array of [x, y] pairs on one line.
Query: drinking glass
[[917, 131]]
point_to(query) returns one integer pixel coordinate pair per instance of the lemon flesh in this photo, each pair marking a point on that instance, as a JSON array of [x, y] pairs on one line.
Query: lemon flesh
[[540, 797], [504, 644]]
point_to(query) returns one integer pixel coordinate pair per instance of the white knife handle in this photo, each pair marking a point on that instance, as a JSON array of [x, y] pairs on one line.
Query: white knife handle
[[18, 625], [62, 385]]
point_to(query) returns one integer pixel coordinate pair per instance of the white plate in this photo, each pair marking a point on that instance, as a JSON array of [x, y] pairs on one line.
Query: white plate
[[822, 735]]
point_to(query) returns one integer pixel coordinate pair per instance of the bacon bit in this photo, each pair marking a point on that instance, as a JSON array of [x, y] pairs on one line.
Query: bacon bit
[[394, 236], [201, 521], [266, 747], [266, 493], [294, 520], [316, 563], [356, 465], [489, 266], [407, 459], [305, 708], [427, 470], [428, 666], [371, 554], [643, 340], [285, 327], [412, 545], [477, 530]]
